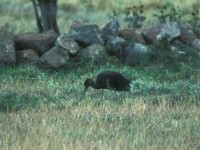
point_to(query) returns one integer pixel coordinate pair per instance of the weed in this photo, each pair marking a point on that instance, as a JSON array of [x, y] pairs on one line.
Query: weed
[[135, 16], [195, 22], [166, 13]]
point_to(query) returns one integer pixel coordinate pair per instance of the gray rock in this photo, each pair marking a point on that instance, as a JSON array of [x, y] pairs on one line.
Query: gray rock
[[55, 57], [7, 49], [157, 33], [86, 35], [115, 45], [77, 23], [68, 44], [196, 44], [130, 34], [111, 29], [171, 29], [40, 42], [94, 53], [134, 54], [187, 34], [26, 56]]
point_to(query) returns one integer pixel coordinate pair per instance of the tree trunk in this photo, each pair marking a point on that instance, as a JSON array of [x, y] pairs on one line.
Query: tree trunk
[[47, 21]]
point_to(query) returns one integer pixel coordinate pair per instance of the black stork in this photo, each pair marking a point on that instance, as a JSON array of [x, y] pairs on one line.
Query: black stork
[[108, 80]]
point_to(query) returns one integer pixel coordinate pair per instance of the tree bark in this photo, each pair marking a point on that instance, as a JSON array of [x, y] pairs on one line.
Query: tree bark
[[47, 21]]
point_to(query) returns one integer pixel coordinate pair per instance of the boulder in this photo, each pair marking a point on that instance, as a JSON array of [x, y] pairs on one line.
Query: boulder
[[130, 34], [86, 35], [68, 44], [196, 44], [40, 42], [55, 57], [77, 23], [187, 34], [26, 56], [134, 54], [111, 29], [115, 45], [7, 49], [168, 30], [94, 53]]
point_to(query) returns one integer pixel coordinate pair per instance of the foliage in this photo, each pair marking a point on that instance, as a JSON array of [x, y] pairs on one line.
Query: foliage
[[195, 22], [166, 13], [135, 16], [173, 59], [114, 15]]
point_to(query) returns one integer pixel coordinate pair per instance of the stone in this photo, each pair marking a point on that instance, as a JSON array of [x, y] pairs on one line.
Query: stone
[[86, 35], [77, 23], [55, 57], [111, 29], [134, 54], [94, 53], [196, 44], [187, 34], [115, 45], [26, 56], [7, 49], [40, 42], [68, 44], [130, 34], [168, 30]]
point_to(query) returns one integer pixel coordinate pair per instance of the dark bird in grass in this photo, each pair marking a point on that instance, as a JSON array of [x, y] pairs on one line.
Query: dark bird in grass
[[108, 80]]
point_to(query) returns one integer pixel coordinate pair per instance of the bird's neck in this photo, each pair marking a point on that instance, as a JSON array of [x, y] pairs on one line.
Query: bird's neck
[[94, 85]]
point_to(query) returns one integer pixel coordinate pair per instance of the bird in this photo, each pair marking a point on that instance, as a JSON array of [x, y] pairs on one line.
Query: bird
[[110, 80]]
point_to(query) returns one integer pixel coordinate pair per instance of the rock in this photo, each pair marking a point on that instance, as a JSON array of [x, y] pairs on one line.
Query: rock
[[115, 45], [86, 35], [40, 42], [170, 30], [7, 49], [110, 30], [77, 23], [26, 56], [196, 44], [68, 44], [151, 34], [187, 34], [94, 53], [134, 54], [55, 57], [130, 34]]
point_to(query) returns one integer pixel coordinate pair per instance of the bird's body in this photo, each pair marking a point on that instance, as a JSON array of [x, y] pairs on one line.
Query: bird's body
[[108, 80]]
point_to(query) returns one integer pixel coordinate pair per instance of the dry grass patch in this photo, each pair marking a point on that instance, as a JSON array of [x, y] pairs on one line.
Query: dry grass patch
[[135, 124]]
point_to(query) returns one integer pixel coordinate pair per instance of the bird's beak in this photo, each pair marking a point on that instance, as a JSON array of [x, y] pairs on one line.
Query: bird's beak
[[84, 92]]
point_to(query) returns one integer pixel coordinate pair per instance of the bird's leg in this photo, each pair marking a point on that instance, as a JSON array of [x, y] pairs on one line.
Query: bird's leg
[[116, 98], [101, 97]]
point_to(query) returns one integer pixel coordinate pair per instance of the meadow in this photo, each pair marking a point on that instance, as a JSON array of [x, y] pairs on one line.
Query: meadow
[[18, 16], [43, 110]]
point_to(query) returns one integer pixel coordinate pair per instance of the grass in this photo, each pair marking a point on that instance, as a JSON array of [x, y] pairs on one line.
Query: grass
[[18, 19], [134, 125], [43, 110]]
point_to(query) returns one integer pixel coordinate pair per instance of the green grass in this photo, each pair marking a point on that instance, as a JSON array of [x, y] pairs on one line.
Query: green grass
[[43, 110], [18, 16]]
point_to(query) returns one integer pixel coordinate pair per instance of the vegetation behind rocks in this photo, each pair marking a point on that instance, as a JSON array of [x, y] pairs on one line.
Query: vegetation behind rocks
[[42, 109]]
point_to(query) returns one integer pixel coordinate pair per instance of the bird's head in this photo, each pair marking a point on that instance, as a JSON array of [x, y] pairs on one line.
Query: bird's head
[[88, 82]]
